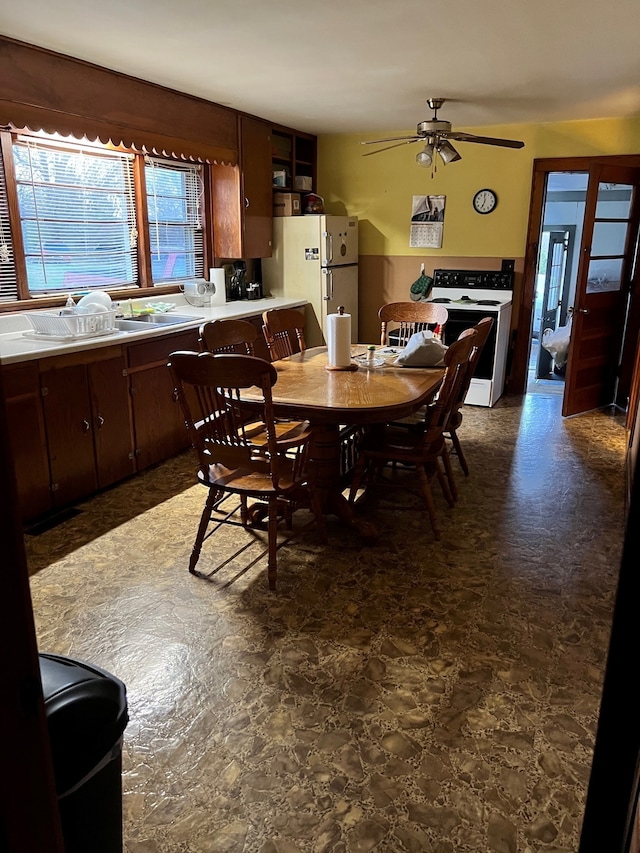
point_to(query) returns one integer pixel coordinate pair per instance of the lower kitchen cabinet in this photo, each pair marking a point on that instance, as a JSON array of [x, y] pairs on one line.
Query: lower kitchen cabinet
[[28, 438], [83, 421], [158, 423], [86, 411]]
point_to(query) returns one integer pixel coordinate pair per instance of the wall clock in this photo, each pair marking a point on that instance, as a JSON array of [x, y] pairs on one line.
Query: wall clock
[[484, 201]]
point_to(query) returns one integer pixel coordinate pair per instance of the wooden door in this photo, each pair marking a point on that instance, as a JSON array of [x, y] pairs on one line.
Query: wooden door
[[256, 183], [28, 439], [111, 422], [67, 411], [608, 243]]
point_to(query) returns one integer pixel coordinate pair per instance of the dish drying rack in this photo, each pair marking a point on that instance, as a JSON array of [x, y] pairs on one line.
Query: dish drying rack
[[65, 327]]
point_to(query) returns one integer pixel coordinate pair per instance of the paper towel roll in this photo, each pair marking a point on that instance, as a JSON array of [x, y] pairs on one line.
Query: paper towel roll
[[339, 339], [218, 289]]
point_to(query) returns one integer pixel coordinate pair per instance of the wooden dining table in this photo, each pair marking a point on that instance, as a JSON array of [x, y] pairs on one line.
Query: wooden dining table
[[332, 399]]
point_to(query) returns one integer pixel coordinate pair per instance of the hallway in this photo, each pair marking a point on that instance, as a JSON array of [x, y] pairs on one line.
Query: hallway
[[410, 696]]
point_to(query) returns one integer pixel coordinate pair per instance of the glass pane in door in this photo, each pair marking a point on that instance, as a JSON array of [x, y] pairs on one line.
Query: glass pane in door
[[614, 201], [609, 238], [604, 275]]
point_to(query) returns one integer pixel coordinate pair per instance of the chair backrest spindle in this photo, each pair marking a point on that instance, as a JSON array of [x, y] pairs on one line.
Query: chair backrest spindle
[[410, 317]]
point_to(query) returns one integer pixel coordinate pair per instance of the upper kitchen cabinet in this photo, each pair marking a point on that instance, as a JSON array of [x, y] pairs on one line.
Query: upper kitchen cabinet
[[242, 198], [293, 160]]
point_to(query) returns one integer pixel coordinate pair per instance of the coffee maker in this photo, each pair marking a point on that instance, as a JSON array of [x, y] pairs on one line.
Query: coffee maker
[[237, 282]]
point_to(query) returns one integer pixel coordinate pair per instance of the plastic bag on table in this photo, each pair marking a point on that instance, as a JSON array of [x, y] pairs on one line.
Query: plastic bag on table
[[422, 350], [556, 342]]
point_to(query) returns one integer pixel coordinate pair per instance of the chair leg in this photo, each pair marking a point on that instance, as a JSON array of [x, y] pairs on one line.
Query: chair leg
[[446, 461], [212, 497], [461, 457], [428, 497], [316, 508], [356, 477], [273, 542]]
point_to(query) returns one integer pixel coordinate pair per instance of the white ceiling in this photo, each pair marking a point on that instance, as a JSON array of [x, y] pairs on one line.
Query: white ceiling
[[333, 66]]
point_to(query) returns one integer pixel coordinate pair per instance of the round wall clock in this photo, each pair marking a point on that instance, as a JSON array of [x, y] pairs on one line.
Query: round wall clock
[[484, 201]]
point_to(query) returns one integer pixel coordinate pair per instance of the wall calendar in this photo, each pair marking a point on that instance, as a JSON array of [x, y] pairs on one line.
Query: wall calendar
[[427, 222]]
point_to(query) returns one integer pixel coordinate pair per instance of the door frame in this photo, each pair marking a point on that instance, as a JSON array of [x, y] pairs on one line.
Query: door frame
[[524, 308]]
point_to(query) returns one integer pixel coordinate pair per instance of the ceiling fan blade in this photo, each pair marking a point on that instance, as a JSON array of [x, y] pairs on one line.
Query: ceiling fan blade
[[484, 140], [393, 139], [397, 145]]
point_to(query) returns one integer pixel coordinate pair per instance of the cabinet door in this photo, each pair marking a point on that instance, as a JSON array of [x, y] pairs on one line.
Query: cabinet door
[[159, 429], [67, 412], [242, 198], [28, 438], [111, 420], [159, 426], [256, 179]]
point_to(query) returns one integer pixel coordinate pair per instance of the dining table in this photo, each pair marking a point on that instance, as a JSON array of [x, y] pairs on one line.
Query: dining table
[[331, 399]]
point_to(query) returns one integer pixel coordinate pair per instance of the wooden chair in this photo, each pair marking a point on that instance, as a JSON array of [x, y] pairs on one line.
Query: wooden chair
[[411, 317], [483, 330], [230, 336], [424, 450], [238, 455], [283, 330]]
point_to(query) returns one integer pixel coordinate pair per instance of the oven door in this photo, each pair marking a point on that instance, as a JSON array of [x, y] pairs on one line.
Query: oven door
[[465, 319]]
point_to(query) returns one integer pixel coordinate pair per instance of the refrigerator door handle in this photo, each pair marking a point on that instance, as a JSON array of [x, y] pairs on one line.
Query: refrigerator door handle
[[329, 287], [328, 244]]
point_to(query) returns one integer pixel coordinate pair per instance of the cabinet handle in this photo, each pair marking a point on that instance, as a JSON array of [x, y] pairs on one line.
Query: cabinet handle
[[246, 203], [86, 426], [100, 420]]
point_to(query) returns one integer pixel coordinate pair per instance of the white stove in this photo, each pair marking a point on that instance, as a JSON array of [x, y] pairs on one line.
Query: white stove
[[470, 295], [470, 290]]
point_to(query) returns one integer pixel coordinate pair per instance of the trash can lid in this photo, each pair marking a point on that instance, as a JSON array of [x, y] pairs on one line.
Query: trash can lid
[[86, 712]]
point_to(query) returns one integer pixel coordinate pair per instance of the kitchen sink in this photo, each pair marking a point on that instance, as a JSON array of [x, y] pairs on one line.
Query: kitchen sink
[[136, 324]]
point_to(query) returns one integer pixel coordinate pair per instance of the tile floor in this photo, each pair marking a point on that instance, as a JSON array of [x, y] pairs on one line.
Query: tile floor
[[411, 696]]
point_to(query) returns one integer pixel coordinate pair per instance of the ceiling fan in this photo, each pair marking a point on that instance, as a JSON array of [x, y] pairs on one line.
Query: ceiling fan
[[436, 133]]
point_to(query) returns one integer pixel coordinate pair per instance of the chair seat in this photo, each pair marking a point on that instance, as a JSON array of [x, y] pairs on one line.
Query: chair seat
[[404, 445], [248, 482]]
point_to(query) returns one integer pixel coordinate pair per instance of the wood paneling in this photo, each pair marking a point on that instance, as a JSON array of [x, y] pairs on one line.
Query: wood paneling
[[53, 92]]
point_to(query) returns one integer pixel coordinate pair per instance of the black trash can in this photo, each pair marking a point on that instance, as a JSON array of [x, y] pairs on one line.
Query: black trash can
[[86, 711]]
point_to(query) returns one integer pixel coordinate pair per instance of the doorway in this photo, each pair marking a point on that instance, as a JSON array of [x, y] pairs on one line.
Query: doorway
[[606, 320], [555, 278]]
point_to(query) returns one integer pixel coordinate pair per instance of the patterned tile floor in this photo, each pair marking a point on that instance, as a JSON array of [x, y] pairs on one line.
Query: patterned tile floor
[[410, 696]]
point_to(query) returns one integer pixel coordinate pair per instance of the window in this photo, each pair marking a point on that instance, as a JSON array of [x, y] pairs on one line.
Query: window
[[175, 228], [77, 214]]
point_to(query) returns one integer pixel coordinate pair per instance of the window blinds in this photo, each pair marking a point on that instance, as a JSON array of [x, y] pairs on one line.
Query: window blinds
[[78, 218], [8, 279], [174, 197]]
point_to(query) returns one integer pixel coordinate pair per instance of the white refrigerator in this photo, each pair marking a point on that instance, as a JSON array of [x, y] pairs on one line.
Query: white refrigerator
[[315, 258]]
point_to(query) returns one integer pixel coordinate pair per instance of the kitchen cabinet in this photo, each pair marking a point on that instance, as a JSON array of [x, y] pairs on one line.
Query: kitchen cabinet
[[28, 437], [158, 425], [86, 413], [83, 420], [242, 199], [293, 157]]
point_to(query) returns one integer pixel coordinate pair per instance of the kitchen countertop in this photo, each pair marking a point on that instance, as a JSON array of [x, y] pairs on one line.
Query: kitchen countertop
[[15, 347]]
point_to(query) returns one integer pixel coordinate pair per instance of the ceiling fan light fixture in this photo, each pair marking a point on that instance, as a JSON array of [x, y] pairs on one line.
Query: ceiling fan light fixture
[[448, 152], [425, 157]]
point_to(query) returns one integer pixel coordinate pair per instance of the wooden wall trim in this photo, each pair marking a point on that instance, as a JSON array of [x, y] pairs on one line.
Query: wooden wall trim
[[48, 91]]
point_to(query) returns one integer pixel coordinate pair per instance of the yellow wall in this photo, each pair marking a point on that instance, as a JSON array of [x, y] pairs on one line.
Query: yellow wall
[[379, 189]]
